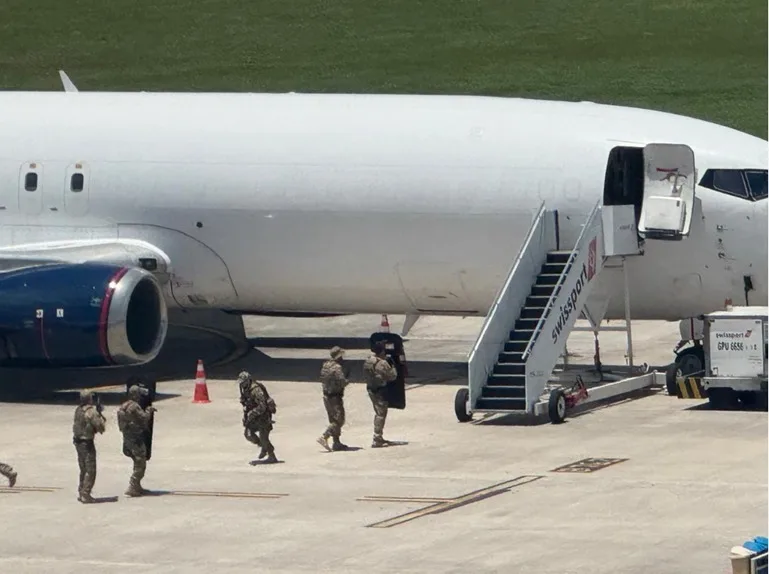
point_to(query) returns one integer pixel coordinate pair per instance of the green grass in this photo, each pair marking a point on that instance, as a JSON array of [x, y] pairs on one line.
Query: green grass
[[704, 58]]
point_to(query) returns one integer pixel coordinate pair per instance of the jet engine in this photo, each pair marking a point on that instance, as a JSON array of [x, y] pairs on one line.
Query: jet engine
[[80, 315]]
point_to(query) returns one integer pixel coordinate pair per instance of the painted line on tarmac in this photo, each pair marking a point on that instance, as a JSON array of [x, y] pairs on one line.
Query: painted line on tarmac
[[445, 505], [223, 494]]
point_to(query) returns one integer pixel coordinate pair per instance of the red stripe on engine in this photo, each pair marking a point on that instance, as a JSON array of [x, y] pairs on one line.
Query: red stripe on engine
[[104, 315]]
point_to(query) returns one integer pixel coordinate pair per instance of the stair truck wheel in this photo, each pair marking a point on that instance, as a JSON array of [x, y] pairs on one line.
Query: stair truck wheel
[[689, 362], [461, 400], [556, 406], [671, 384]]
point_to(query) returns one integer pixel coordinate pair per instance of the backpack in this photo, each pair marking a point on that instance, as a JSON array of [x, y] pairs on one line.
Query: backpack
[[122, 424]]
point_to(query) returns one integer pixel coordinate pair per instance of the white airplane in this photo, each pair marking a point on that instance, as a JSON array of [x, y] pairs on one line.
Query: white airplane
[[118, 207]]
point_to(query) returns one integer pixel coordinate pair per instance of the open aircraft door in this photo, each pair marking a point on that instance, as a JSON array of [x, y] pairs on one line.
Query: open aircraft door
[[668, 195]]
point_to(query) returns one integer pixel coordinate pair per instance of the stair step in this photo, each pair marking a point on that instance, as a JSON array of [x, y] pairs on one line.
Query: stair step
[[510, 357], [558, 256], [521, 335], [506, 381], [536, 301], [504, 392], [542, 290], [532, 312], [497, 404], [516, 346], [509, 369], [547, 278], [526, 324], [553, 268]]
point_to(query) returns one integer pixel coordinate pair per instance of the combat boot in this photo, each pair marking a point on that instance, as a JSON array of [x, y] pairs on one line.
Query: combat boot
[[12, 479], [86, 499], [379, 442], [134, 489], [338, 445], [323, 441]]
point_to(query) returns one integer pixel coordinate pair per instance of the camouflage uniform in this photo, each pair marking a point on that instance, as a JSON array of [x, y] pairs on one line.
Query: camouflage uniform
[[134, 423], [333, 379], [377, 372], [258, 408], [88, 421], [7, 471]]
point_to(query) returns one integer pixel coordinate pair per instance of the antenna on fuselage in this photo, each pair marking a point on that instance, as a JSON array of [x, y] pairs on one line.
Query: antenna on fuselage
[[68, 85]]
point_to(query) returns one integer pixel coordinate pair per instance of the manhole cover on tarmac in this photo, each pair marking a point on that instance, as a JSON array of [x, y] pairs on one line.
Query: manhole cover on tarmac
[[589, 465]]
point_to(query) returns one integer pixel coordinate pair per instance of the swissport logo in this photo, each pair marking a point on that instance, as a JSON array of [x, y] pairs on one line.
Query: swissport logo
[[565, 310], [591, 259], [734, 335]]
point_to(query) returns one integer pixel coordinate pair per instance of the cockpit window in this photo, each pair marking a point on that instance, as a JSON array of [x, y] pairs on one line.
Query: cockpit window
[[747, 184], [757, 182], [730, 181]]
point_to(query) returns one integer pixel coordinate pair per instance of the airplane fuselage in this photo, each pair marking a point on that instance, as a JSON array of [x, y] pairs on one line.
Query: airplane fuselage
[[336, 203]]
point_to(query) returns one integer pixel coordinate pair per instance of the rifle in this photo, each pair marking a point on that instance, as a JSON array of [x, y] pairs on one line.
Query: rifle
[[97, 404]]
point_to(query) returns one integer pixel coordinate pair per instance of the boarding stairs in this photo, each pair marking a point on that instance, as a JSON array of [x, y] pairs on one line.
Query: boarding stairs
[[534, 311]]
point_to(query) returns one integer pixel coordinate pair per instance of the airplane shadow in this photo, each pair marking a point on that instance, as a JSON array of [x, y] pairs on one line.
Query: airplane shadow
[[349, 343], [108, 398], [298, 369]]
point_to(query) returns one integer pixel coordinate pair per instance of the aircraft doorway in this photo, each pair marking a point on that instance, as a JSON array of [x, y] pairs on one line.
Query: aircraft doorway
[[659, 181], [624, 182]]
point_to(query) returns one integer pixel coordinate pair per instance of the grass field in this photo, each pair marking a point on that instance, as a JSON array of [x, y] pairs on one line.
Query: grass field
[[705, 58]]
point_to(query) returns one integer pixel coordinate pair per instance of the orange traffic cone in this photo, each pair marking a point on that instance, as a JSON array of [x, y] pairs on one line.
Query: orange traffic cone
[[201, 388], [384, 326]]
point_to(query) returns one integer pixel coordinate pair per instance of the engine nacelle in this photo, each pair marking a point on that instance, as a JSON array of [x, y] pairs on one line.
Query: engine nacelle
[[80, 315]]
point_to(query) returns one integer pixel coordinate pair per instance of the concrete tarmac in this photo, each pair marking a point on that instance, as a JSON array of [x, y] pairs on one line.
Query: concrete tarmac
[[681, 483]]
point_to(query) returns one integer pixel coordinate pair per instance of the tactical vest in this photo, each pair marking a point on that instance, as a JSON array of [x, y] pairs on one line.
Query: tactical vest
[[80, 427], [124, 423]]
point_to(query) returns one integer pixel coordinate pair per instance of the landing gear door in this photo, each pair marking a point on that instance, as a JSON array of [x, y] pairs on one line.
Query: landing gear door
[[669, 184]]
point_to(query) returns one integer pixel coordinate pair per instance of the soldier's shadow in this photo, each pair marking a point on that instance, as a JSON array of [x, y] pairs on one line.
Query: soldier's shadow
[[348, 449], [394, 443], [101, 499], [154, 493]]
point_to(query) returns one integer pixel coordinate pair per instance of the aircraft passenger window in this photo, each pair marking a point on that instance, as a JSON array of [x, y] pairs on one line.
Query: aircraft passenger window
[[730, 181], [30, 181], [76, 183], [757, 182]]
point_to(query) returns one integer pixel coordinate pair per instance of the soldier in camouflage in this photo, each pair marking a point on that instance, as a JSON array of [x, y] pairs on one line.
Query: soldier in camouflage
[[134, 423], [334, 381], [258, 408], [7, 471], [377, 372], [88, 421]]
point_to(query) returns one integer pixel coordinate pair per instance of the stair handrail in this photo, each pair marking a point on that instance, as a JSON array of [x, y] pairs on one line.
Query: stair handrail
[[480, 340], [565, 273], [503, 286]]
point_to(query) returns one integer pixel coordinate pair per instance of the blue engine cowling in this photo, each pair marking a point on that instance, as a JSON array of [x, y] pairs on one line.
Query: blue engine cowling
[[80, 315]]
